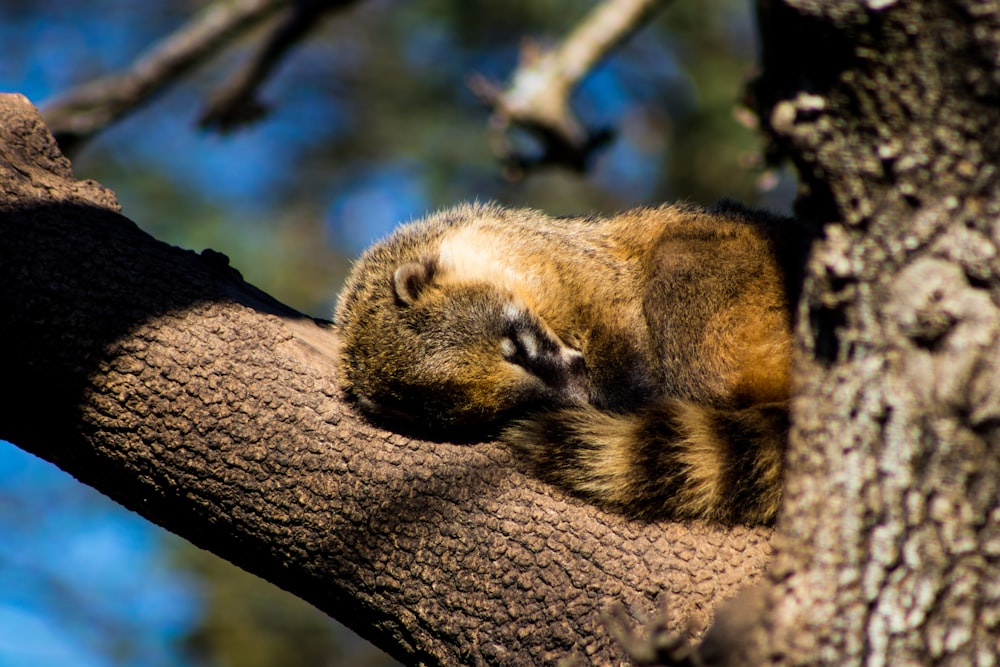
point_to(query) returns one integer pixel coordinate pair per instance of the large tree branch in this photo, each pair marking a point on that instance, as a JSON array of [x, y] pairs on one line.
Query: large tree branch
[[159, 377]]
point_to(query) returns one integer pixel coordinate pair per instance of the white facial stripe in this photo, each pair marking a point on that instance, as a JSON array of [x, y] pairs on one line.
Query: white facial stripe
[[529, 343], [507, 347]]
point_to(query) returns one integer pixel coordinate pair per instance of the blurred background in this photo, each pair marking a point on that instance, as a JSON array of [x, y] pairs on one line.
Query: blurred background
[[371, 124]]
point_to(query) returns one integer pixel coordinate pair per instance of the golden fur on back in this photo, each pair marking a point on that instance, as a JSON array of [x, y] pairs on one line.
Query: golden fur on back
[[640, 360]]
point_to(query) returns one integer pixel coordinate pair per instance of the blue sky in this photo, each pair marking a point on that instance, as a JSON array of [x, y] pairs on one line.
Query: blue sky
[[77, 571]]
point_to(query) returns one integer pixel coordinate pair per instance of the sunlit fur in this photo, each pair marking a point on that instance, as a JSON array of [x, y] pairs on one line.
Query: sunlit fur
[[640, 361]]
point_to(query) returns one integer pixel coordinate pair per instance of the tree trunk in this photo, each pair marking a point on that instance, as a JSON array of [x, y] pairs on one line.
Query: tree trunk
[[887, 550], [159, 377]]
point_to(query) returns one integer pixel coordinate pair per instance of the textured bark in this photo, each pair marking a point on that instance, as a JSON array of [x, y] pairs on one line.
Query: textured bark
[[889, 546], [159, 377]]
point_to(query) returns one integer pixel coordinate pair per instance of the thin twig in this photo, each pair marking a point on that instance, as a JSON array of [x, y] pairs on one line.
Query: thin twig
[[537, 98], [236, 102], [78, 114], [658, 644]]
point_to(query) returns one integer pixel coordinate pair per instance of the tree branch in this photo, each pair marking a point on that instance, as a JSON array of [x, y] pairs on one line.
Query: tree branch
[[236, 103], [537, 98], [78, 114], [159, 377]]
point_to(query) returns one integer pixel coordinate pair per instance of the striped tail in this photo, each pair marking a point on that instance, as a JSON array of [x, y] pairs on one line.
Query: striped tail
[[671, 459]]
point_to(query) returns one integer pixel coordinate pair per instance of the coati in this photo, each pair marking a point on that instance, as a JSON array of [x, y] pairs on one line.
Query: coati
[[640, 360]]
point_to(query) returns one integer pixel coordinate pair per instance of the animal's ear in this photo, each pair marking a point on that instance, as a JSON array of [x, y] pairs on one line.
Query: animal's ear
[[411, 279]]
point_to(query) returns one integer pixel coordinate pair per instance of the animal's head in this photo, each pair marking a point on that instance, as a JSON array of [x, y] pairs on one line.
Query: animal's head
[[445, 352]]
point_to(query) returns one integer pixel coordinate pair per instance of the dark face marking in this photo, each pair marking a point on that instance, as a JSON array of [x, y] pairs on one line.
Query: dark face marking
[[528, 343], [481, 355]]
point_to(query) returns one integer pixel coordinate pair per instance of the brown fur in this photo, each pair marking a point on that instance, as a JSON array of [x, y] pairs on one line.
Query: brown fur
[[641, 360]]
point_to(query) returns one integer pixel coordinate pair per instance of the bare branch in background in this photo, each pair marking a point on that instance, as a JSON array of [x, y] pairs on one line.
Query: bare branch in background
[[236, 102], [80, 113], [537, 98]]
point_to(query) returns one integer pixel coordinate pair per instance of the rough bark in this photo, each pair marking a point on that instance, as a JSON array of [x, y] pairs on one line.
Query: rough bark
[[887, 552], [159, 377]]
